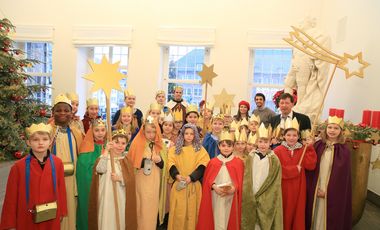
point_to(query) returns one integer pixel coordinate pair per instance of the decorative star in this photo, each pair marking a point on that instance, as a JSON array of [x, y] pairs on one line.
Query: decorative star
[[224, 99], [376, 164], [207, 74], [359, 59], [105, 76], [375, 137]]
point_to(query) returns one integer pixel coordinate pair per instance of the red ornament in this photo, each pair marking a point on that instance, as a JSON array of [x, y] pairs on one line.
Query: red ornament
[[16, 98], [42, 112], [18, 154]]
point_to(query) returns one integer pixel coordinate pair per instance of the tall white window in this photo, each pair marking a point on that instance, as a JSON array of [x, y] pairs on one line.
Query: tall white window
[[41, 72], [181, 65], [269, 66], [113, 54]]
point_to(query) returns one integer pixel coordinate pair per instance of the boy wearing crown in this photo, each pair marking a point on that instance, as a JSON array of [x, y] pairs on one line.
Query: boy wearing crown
[[101, 209], [210, 142], [262, 198], [329, 195], [74, 98], [222, 189], [66, 142], [35, 181], [90, 149], [241, 139], [177, 103]]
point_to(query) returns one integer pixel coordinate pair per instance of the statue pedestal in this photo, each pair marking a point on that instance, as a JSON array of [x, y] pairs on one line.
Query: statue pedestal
[[360, 159]]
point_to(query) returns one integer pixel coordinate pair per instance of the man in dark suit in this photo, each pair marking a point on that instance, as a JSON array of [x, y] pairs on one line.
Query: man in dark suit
[[286, 105]]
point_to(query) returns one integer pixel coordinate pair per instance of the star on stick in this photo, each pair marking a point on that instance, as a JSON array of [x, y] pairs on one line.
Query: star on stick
[[207, 74], [351, 58], [224, 99], [105, 76]]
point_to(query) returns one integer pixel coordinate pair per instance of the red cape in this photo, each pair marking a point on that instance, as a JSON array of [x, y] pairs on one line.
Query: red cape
[[235, 168]]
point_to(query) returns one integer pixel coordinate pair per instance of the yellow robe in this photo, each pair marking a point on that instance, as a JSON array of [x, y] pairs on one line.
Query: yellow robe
[[184, 204]]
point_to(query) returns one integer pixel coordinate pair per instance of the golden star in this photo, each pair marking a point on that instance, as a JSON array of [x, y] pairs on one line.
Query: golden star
[[105, 76], [376, 164], [224, 99], [351, 58], [207, 74]]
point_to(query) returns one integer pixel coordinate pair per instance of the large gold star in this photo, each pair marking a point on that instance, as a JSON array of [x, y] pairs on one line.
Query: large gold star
[[351, 58], [207, 74], [105, 76], [376, 164], [224, 99]]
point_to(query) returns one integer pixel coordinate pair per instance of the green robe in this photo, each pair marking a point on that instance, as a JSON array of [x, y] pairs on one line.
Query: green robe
[[85, 164], [265, 207]]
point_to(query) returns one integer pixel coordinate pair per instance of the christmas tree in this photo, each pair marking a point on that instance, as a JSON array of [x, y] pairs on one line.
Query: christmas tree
[[18, 107]]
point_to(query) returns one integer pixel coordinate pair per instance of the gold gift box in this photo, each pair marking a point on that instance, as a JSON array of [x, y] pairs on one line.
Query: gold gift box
[[68, 168], [45, 212]]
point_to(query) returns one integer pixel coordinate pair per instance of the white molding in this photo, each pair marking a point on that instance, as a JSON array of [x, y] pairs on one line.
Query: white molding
[[267, 38], [167, 35], [102, 35], [37, 33]]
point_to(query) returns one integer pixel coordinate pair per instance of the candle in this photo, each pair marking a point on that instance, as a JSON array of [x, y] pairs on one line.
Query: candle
[[339, 113], [366, 119], [375, 120], [332, 112]]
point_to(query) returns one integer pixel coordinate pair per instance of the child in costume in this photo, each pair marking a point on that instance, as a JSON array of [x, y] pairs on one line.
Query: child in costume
[[130, 101], [186, 163], [251, 143], [155, 111], [205, 119], [253, 124], [92, 113], [262, 202], [192, 117], [101, 209], [167, 127], [210, 141], [293, 175], [89, 151], [241, 138], [222, 189], [147, 153], [329, 192], [178, 122], [66, 142], [73, 97], [34, 181], [128, 122]]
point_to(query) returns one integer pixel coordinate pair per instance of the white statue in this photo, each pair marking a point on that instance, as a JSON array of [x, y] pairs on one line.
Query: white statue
[[307, 74]]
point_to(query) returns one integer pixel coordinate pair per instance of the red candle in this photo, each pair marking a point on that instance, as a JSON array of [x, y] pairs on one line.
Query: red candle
[[375, 120], [332, 112], [339, 113], [366, 119]]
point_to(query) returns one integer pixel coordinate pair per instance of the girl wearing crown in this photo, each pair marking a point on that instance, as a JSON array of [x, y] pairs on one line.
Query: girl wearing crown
[[92, 113], [293, 181], [205, 119], [90, 149], [167, 128], [262, 198], [192, 117], [148, 154], [128, 122], [222, 189], [130, 101], [155, 111], [241, 141], [329, 185], [251, 143], [210, 142], [187, 162], [73, 97]]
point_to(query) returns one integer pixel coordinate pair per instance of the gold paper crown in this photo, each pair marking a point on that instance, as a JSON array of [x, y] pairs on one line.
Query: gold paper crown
[[177, 87], [277, 132], [119, 132], [226, 136], [217, 117], [128, 92], [168, 118], [254, 118], [72, 96], [292, 124], [61, 98], [41, 127], [98, 123], [336, 120], [92, 101], [178, 115], [305, 133], [263, 132], [243, 122], [225, 109], [160, 92], [252, 138], [209, 106], [192, 108], [234, 125], [155, 106], [126, 109], [241, 135]]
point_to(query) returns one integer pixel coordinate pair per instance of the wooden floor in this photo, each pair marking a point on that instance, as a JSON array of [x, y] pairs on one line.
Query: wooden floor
[[369, 221]]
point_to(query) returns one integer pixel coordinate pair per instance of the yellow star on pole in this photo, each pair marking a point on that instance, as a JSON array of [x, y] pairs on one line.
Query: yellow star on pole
[[207, 74], [353, 58], [224, 99], [106, 76]]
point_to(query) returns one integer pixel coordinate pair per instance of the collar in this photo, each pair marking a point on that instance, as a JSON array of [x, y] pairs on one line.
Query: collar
[[179, 101], [291, 148], [261, 155], [101, 142], [41, 163], [290, 115]]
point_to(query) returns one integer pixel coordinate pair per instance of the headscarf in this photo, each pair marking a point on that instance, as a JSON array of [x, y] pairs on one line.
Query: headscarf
[[181, 141]]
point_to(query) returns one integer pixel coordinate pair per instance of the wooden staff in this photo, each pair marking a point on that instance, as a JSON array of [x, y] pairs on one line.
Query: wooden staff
[[205, 105], [109, 138], [319, 111]]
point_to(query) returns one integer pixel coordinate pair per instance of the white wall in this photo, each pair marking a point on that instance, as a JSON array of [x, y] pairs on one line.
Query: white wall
[[231, 20]]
